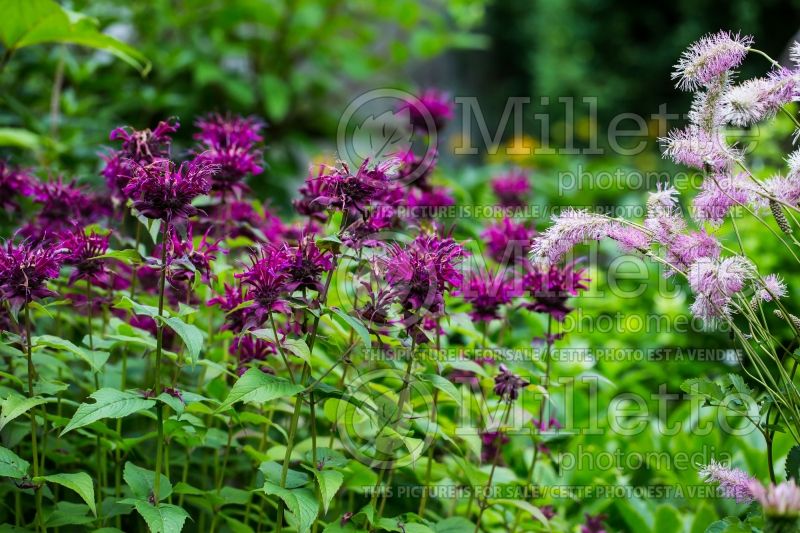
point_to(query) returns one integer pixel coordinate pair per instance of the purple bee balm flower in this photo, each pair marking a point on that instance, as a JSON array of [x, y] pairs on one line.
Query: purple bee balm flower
[[546, 425], [216, 130], [162, 190], [421, 272], [429, 112], [695, 147], [415, 169], [307, 204], [228, 143], [547, 511], [341, 189], [508, 242], [426, 204], [733, 483], [550, 288], [594, 524], [512, 188], [139, 147], [81, 250], [188, 256], [13, 183], [230, 302], [267, 279], [367, 230], [487, 293], [63, 205], [491, 443], [507, 384], [709, 58], [306, 263], [24, 271], [249, 348]]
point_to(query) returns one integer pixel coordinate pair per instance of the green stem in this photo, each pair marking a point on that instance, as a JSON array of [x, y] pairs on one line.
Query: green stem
[[34, 443], [482, 501], [159, 345]]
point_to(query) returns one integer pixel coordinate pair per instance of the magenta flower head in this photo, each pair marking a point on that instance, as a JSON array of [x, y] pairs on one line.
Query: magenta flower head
[[550, 288], [594, 524], [228, 143], [139, 147], [487, 293], [709, 58], [512, 188], [310, 191], [24, 271], [507, 384], [232, 303], [266, 279], [306, 263], [63, 205], [491, 444], [431, 110], [248, 348], [189, 255], [13, 183], [508, 242], [354, 192], [416, 169], [162, 190], [423, 270], [81, 249], [426, 204]]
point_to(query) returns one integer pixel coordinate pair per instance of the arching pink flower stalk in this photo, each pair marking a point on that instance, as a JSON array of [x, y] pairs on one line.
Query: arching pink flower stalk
[[710, 57], [715, 282], [719, 194], [771, 287], [760, 98], [695, 147], [733, 482]]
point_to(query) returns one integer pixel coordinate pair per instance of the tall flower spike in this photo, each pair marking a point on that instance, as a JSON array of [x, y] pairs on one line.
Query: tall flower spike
[[160, 190], [697, 148], [708, 58], [733, 482]]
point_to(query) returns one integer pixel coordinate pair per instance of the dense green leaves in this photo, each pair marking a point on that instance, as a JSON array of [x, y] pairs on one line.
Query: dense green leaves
[[16, 405], [191, 336], [141, 482], [109, 403], [301, 503], [162, 518]]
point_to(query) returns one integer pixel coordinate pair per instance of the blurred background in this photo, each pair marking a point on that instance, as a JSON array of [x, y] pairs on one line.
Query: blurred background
[[298, 63]]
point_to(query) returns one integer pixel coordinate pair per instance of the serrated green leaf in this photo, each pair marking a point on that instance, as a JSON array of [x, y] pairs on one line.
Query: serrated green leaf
[[96, 359], [12, 465], [191, 336], [141, 482], [443, 384], [703, 387], [256, 386], [138, 309], [329, 482], [793, 464], [80, 482], [272, 472], [454, 524], [302, 505], [129, 256], [163, 518], [109, 403]]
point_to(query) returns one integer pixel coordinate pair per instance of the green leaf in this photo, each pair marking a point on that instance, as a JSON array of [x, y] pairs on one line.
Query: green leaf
[[16, 405], [174, 403], [12, 465], [29, 22], [137, 308], [80, 482], [793, 463], [327, 458], [141, 482], [329, 482], [20, 138], [297, 347], [164, 518], [191, 336], [96, 359], [277, 96], [302, 505], [525, 506], [703, 387], [668, 520], [256, 386], [443, 384], [272, 473], [109, 403], [454, 524], [69, 514], [129, 256], [356, 324]]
